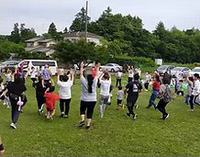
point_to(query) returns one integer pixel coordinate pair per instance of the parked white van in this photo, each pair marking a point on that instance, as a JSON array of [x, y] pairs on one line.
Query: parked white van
[[36, 63]]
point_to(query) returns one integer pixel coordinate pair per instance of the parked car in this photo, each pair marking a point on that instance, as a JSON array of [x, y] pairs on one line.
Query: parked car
[[111, 67], [165, 68], [180, 71], [8, 64], [195, 71]]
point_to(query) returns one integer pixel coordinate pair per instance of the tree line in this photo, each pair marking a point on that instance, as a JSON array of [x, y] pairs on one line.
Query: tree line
[[124, 36]]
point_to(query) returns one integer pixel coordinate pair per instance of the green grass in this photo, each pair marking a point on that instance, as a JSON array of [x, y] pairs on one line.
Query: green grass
[[114, 135]]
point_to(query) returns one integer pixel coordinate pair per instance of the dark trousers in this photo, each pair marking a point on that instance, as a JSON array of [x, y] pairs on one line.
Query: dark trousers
[[33, 80], [118, 82], [14, 111], [192, 101], [131, 103], [146, 85], [40, 101], [130, 79], [65, 106], [89, 106], [161, 107]]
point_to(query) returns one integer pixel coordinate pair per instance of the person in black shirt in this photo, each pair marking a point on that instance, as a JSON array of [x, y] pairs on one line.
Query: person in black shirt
[[133, 89], [17, 97], [40, 90]]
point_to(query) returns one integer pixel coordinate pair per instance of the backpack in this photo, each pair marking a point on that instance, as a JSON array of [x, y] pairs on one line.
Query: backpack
[[167, 94]]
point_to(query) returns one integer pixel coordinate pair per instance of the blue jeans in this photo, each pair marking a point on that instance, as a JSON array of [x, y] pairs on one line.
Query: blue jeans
[[153, 98]]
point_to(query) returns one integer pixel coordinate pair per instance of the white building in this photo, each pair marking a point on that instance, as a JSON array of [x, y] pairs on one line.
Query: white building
[[75, 36], [41, 46]]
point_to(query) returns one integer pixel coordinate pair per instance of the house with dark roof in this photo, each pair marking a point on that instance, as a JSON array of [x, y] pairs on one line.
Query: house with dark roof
[[75, 36], [40, 45]]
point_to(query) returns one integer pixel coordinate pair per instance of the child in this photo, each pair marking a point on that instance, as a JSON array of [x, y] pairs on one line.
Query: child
[[120, 95], [180, 89], [51, 99]]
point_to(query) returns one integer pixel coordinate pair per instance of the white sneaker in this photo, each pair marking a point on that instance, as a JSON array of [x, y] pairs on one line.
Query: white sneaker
[[12, 125], [167, 116]]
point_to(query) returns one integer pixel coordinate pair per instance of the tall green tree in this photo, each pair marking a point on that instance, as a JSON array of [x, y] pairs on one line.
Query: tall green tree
[[79, 22], [20, 33]]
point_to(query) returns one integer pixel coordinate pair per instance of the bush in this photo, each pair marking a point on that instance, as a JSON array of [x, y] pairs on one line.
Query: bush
[[136, 61]]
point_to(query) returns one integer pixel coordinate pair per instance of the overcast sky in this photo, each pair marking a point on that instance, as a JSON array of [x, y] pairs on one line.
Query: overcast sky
[[39, 14]]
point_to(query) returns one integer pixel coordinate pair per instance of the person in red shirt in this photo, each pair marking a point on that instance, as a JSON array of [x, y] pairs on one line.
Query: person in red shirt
[[155, 91], [51, 99], [93, 71]]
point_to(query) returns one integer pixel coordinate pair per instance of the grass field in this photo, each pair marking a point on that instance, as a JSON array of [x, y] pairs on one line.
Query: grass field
[[114, 135]]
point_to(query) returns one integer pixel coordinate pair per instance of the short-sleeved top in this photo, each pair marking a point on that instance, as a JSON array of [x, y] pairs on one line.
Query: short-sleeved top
[[51, 99], [16, 88], [93, 72], [156, 85], [119, 75], [133, 88], [85, 95], [65, 89], [189, 89], [120, 95], [40, 90], [8, 77], [196, 88], [46, 74], [105, 87], [130, 73], [33, 74]]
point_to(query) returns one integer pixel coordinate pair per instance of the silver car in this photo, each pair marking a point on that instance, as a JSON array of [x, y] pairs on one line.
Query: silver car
[[165, 68], [180, 71]]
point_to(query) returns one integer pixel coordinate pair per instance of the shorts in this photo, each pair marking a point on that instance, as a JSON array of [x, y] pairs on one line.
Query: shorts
[[89, 106], [103, 100], [119, 102]]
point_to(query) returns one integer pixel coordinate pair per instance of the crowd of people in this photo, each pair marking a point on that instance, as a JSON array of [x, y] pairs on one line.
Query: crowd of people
[[14, 97]]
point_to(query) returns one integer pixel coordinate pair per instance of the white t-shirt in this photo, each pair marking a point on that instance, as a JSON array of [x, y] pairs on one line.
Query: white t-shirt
[[130, 73], [196, 89], [8, 77], [119, 74], [105, 87], [85, 95], [147, 77], [65, 89], [120, 95], [33, 74]]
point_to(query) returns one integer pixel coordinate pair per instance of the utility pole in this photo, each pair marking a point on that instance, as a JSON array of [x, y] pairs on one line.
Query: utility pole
[[86, 20]]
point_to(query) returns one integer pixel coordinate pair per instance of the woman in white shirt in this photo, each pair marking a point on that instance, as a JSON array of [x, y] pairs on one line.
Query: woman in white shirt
[[65, 92], [33, 75], [130, 74], [105, 81], [88, 96]]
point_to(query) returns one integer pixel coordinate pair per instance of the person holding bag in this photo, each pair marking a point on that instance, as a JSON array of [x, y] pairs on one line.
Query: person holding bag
[[17, 98]]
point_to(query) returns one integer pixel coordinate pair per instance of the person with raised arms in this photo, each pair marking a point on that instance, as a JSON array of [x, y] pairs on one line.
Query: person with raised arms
[[105, 81], [65, 92], [88, 96]]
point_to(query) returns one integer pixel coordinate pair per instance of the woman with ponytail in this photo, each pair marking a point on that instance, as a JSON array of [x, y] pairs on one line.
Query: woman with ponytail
[[88, 96]]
